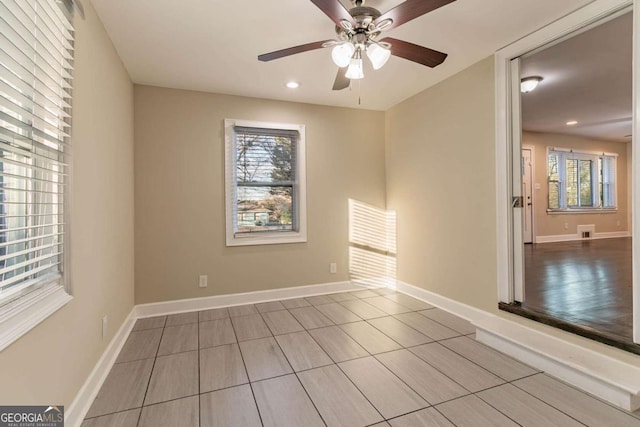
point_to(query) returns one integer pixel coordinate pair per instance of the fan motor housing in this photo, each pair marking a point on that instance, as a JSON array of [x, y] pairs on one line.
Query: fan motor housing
[[363, 12], [363, 17]]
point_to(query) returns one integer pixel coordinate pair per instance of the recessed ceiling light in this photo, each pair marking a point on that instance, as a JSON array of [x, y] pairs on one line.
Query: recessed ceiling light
[[572, 123], [528, 84], [293, 85]]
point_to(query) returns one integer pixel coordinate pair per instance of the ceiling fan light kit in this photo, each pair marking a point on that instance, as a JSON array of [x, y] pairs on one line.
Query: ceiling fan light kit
[[342, 53], [378, 55], [355, 70], [358, 30]]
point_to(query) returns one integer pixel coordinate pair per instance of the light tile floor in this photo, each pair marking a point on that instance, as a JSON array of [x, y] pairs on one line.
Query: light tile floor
[[363, 358]]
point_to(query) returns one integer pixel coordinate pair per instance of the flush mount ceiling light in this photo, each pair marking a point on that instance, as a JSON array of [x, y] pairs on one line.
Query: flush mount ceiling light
[[528, 84], [292, 85], [358, 33], [572, 122]]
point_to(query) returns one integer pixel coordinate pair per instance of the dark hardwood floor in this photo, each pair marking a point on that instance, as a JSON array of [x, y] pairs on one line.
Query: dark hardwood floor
[[584, 283]]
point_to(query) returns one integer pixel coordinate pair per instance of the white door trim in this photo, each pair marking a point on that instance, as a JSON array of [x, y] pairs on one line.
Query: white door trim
[[587, 15], [533, 190], [635, 174], [517, 213]]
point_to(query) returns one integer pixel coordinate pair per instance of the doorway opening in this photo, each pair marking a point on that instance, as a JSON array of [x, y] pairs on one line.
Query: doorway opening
[[570, 261]]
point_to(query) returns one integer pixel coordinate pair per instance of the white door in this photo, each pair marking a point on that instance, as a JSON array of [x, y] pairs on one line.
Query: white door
[[527, 183]]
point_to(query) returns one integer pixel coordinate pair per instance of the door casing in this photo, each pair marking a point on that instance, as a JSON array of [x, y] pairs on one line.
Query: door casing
[[528, 194], [509, 244]]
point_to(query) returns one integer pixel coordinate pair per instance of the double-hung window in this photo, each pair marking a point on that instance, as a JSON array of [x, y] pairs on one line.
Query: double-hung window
[[581, 181], [36, 60], [265, 183]]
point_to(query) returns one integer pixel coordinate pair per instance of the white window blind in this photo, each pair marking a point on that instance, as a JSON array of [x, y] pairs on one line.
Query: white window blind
[[36, 63], [608, 191]]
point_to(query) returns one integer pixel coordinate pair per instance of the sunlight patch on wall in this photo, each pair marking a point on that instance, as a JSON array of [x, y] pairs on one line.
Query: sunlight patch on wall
[[372, 245]]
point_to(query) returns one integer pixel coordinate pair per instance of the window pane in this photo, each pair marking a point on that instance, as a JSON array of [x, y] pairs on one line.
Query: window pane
[[554, 195], [553, 167], [263, 158], [586, 192], [572, 183], [600, 182], [608, 182], [264, 208], [553, 181]]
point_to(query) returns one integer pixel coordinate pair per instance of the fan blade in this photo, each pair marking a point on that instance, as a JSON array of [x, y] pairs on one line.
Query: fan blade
[[409, 10], [341, 82], [291, 51], [334, 10], [413, 52]]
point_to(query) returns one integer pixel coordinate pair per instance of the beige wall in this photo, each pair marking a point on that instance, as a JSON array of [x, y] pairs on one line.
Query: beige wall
[[179, 188], [552, 225], [441, 180], [440, 159], [51, 362]]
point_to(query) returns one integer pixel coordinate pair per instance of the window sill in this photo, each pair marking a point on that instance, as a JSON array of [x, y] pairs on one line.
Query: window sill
[[266, 239], [20, 316], [581, 211]]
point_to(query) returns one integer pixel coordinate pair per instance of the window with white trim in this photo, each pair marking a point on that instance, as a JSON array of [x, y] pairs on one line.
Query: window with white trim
[[36, 61], [581, 181], [265, 183]]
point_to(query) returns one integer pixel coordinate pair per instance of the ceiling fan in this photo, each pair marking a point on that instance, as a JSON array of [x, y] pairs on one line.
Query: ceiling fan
[[359, 30]]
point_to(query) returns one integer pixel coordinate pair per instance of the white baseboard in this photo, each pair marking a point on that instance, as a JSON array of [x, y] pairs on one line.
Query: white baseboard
[[574, 237], [465, 311], [81, 404], [206, 303], [608, 378]]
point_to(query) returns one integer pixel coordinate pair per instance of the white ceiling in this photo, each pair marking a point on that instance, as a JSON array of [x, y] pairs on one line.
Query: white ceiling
[[587, 78], [212, 45]]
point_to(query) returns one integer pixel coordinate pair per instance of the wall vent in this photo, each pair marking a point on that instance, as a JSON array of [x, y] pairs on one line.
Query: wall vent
[[586, 231]]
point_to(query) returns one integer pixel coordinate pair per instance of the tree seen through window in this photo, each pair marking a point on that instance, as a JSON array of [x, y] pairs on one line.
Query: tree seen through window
[[265, 173]]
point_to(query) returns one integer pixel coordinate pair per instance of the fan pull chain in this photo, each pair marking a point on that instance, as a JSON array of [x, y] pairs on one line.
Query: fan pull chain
[[359, 92]]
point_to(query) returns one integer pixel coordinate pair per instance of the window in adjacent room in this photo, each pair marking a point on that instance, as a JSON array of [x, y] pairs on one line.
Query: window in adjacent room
[[265, 183], [36, 61], [580, 181]]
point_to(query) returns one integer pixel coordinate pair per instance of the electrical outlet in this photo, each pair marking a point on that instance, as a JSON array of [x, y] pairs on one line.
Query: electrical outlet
[[566, 225], [333, 268], [203, 282], [105, 326]]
